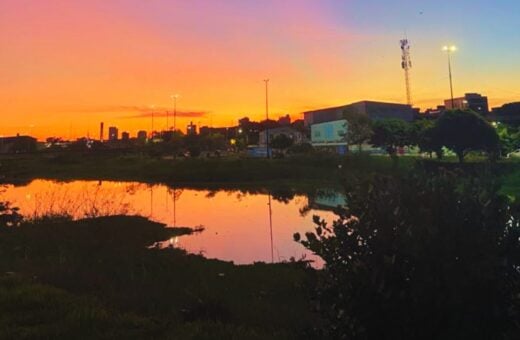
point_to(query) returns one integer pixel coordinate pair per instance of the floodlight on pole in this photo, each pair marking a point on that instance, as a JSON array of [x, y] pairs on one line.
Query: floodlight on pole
[[449, 50]]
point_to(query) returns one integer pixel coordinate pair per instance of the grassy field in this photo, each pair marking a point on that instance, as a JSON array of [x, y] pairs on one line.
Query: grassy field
[[96, 279], [296, 173], [140, 167]]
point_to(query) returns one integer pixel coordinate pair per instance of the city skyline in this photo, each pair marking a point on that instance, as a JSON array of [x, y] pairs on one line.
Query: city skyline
[[66, 67]]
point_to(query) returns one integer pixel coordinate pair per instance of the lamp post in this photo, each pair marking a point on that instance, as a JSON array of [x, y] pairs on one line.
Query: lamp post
[[153, 113], [449, 50], [174, 97], [266, 81]]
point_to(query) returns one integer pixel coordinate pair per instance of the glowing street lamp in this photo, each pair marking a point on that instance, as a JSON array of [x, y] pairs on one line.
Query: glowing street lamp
[[449, 50]]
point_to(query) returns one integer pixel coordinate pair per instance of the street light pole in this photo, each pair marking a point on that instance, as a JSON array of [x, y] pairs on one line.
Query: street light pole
[[174, 113], [174, 97], [153, 113], [449, 50], [266, 81]]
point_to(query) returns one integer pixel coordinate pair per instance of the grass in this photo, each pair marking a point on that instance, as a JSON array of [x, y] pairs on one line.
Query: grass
[[139, 167], [294, 174], [96, 278], [511, 184]]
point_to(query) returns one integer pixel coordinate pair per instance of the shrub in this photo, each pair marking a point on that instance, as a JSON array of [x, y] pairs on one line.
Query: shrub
[[420, 257]]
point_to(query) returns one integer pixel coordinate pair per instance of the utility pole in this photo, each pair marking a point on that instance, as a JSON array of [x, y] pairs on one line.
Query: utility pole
[[266, 81]]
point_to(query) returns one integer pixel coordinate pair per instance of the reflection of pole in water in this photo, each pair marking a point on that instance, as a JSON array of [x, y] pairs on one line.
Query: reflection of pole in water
[[271, 225], [174, 209], [151, 201], [176, 194]]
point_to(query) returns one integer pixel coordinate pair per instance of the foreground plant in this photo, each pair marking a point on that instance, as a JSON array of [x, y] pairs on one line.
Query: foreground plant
[[420, 257]]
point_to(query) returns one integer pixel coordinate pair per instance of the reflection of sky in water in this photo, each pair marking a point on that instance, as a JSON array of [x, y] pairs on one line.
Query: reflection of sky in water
[[236, 224]]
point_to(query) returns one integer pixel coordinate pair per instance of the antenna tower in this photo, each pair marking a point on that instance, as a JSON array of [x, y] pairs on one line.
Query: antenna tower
[[406, 64]]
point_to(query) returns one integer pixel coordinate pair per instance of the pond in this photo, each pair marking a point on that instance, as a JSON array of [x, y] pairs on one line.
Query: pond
[[239, 225]]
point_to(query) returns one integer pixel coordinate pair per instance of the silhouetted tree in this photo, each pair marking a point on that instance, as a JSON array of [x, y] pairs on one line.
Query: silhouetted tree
[[423, 136], [463, 131], [359, 128], [391, 134], [9, 216]]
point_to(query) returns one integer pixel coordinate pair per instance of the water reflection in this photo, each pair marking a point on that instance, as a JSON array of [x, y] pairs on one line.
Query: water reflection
[[235, 222]]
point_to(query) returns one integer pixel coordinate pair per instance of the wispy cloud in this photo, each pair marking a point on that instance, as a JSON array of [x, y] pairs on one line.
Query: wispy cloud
[[163, 113], [136, 111]]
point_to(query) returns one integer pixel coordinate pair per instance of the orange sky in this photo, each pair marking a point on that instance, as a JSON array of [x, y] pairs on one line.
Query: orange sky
[[68, 65]]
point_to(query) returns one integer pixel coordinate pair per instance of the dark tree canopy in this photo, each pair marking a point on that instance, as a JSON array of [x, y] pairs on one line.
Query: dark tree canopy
[[423, 136], [391, 134], [463, 131], [281, 142], [359, 128]]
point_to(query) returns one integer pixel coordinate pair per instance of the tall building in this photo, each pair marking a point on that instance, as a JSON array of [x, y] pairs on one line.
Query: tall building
[[101, 131], [375, 110], [113, 133], [471, 101], [125, 136]]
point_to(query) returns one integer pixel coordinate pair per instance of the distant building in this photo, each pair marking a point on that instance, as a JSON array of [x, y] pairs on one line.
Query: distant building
[[285, 120], [244, 122], [507, 114], [141, 135], [191, 129], [471, 101], [330, 135], [206, 130], [17, 144], [434, 113], [113, 133], [375, 110], [297, 136], [125, 136]]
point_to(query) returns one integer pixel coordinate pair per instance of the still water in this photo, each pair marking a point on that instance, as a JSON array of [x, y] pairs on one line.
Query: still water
[[238, 226]]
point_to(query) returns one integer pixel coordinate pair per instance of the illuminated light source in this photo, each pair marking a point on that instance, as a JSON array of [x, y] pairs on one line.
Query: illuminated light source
[[449, 49]]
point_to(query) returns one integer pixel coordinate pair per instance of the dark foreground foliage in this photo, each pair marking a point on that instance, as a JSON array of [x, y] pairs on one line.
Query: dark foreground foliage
[[420, 257], [97, 279]]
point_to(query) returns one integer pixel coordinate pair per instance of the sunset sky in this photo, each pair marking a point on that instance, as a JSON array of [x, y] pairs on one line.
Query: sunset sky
[[66, 65]]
